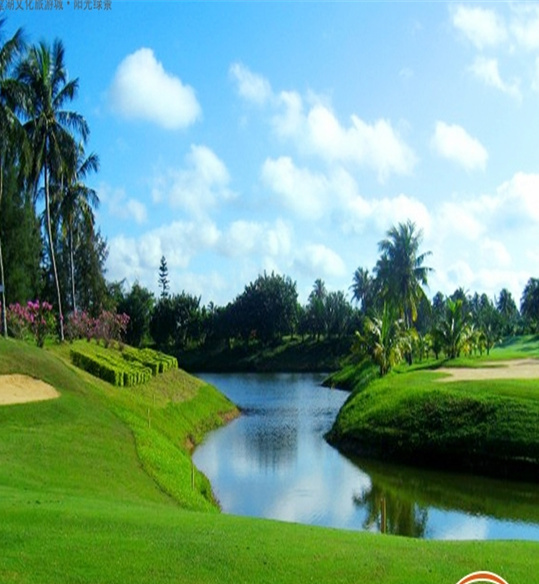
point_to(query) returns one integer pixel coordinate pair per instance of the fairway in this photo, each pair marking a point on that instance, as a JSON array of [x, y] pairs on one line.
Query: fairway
[[141, 515]]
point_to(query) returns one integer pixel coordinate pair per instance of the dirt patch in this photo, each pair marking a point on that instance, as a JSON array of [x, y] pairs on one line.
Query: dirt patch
[[517, 369], [19, 389]]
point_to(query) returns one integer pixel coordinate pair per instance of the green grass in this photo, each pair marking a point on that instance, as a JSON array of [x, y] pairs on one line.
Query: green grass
[[489, 426], [95, 488]]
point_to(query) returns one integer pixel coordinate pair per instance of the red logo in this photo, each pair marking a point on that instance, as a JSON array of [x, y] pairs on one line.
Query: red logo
[[482, 577]]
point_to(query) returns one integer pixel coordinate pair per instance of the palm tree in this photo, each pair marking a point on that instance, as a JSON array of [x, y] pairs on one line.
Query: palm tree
[[76, 207], [49, 128], [508, 310], [400, 270], [9, 123], [455, 330], [529, 303], [384, 340], [362, 288]]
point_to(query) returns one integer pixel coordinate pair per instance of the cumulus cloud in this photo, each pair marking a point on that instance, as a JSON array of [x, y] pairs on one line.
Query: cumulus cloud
[[251, 86], [198, 187], [454, 143], [483, 27], [318, 131], [122, 207], [494, 253], [314, 128], [244, 238], [525, 25], [132, 258], [142, 89], [318, 260], [487, 71]]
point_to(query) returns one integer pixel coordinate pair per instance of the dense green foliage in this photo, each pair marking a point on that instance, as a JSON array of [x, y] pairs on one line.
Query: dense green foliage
[[412, 415]]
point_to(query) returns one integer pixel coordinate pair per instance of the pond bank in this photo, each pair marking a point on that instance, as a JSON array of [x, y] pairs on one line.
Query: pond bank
[[485, 426]]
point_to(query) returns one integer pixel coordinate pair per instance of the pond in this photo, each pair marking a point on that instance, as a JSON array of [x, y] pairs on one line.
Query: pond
[[273, 462]]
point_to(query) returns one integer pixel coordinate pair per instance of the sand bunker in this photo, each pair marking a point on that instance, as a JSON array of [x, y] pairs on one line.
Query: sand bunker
[[18, 389], [517, 369]]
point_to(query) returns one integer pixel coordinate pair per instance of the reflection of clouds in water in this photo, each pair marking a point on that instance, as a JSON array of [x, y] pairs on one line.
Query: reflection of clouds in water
[[465, 528], [277, 465], [322, 498]]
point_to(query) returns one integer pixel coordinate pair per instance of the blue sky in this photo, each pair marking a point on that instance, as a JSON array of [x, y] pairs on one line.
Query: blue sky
[[238, 137]]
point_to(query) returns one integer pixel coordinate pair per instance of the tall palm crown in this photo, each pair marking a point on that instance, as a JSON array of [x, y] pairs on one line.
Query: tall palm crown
[[401, 271], [50, 128], [76, 207], [362, 288], [9, 124]]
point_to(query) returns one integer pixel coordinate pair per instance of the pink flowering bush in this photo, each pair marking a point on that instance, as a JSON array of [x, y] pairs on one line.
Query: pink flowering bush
[[107, 327], [35, 320]]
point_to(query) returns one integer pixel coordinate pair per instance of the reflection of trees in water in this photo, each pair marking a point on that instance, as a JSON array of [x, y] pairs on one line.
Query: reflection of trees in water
[[391, 513], [275, 445], [445, 491]]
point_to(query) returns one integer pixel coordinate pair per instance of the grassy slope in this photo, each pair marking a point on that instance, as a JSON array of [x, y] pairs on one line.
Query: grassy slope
[[77, 507], [490, 425]]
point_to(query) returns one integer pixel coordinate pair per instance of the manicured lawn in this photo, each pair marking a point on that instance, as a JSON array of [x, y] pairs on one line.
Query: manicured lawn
[[96, 487], [486, 425]]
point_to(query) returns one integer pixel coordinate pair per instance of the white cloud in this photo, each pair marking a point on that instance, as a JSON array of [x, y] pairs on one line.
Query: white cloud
[[483, 27], [304, 192], [318, 260], [138, 258], [519, 200], [525, 25], [251, 238], [487, 71], [460, 221], [199, 187], [142, 89], [251, 86], [454, 143], [399, 209], [377, 146], [120, 206], [494, 253], [315, 129]]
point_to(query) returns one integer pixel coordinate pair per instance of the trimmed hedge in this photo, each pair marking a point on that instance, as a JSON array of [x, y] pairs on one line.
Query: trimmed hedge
[[156, 361], [122, 368]]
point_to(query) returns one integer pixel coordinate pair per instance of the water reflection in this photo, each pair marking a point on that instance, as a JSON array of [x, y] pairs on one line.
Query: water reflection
[[273, 462], [414, 498]]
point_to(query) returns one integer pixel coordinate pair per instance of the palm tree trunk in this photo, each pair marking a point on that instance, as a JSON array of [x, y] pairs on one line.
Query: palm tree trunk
[[53, 258], [4, 317], [72, 269]]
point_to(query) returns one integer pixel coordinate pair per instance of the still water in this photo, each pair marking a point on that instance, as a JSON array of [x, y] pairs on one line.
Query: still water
[[273, 462]]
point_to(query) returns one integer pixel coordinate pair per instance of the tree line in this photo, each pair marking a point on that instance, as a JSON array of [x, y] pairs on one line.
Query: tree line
[[50, 246], [52, 249], [389, 315]]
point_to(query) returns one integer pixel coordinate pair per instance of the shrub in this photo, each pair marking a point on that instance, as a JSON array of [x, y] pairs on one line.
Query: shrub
[[36, 320]]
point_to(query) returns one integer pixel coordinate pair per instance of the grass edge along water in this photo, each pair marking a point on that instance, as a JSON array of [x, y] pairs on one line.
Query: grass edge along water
[[63, 524]]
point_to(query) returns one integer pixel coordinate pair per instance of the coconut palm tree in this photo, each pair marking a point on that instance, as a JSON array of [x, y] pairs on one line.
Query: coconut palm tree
[[9, 124], [76, 208], [384, 340], [455, 330], [529, 304], [401, 271], [50, 130], [362, 288]]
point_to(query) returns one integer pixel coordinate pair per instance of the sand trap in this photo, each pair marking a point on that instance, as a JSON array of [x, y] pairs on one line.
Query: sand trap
[[19, 389], [517, 369]]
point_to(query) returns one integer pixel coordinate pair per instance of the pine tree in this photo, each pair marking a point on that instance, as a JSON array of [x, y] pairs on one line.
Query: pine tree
[[163, 277]]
